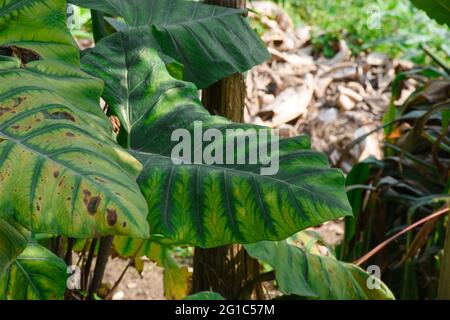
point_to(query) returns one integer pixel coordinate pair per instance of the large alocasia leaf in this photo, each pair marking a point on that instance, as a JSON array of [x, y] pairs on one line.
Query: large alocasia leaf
[[37, 274], [60, 170], [211, 42], [438, 10], [39, 26], [312, 271], [158, 250], [13, 240], [207, 205]]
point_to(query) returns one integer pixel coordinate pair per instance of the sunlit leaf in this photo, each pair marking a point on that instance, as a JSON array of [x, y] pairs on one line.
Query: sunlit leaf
[[37, 274], [208, 205]]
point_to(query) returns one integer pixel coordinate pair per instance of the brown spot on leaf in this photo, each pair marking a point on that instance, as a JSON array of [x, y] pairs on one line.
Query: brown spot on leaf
[[56, 174], [70, 134], [60, 115], [93, 204], [25, 55], [100, 180], [86, 193], [124, 224], [62, 181], [111, 216], [3, 110], [15, 127], [86, 197], [17, 102]]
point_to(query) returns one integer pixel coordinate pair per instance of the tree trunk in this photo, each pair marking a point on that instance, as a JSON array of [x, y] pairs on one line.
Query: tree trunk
[[444, 278], [226, 269], [226, 98]]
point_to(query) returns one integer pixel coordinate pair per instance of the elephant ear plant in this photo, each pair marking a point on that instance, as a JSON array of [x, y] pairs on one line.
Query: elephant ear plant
[[70, 184]]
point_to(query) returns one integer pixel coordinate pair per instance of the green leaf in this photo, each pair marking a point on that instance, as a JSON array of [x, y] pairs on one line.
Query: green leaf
[[157, 249], [13, 240], [61, 172], [212, 42], [205, 295], [438, 10], [9, 63], [208, 205], [37, 274], [303, 272], [176, 279], [39, 26]]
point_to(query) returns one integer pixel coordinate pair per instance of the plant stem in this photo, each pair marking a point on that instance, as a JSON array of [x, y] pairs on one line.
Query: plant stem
[[226, 269], [381, 246], [68, 257], [88, 265], [100, 266]]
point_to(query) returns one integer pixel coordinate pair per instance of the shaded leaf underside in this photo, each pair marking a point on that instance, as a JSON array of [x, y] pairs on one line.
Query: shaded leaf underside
[[305, 273]]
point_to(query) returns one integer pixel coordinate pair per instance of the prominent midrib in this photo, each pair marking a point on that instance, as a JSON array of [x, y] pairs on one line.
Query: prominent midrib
[[25, 273]]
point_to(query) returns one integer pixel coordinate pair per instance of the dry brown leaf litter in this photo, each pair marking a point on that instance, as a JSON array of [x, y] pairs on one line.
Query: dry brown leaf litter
[[334, 101]]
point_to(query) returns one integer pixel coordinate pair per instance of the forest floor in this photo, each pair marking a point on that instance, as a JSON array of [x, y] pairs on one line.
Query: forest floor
[[299, 91]]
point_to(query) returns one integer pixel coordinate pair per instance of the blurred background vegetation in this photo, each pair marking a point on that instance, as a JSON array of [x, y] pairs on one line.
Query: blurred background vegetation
[[394, 27]]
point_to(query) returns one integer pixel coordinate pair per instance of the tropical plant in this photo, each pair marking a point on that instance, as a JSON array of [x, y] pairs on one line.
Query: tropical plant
[[394, 27], [78, 178], [402, 190]]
